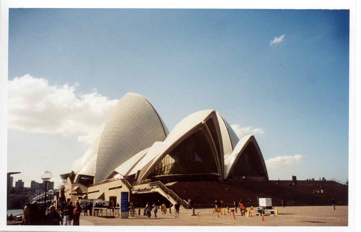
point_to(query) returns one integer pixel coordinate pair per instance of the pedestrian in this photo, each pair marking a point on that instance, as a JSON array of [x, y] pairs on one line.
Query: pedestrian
[[148, 209], [90, 208], [176, 207], [241, 208], [170, 208], [283, 203], [52, 218], [235, 206], [333, 202], [164, 209], [76, 213], [33, 215], [216, 204], [191, 203], [155, 209], [68, 213], [85, 210]]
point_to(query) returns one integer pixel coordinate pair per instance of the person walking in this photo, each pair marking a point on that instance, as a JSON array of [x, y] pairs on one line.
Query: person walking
[[333, 202], [68, 213], [148, 210], [155, 209], [176, 207]]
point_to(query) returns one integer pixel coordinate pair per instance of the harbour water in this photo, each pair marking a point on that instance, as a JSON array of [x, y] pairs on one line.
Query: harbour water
[[14, 212]]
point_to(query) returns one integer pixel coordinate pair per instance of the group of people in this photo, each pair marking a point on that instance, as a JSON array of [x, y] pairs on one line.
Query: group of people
[[88, 208], [237, 205], [156, 205], [71, 213], [68, 215]]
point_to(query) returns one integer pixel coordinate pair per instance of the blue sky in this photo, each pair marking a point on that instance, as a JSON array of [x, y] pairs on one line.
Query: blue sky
[[282, 75]]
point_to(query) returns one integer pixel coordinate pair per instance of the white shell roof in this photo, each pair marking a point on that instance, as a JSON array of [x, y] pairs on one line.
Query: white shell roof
[[153, 152], [229, 138], [87, 164], [231, 159], [180, 130], [187, 124], [128, 165], [133, 126]]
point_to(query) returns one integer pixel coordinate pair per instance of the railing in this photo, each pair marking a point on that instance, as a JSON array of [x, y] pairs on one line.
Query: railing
[[105, 212], [170, 192]]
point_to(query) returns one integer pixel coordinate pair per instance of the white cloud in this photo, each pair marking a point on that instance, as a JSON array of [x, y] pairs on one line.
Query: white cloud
[[246, 131], [283, 161], [277, 40], [36, 106]]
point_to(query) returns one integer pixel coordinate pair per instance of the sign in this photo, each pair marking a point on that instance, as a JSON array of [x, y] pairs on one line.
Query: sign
[[124, 202], [265, 202]]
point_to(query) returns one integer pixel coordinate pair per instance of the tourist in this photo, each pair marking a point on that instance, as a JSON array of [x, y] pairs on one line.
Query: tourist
[[52, 218], [148, 209], [333, 202], [241, 208], [176, 207], [85, 210], [90, 208], [221, 203], [131, 209], [155, 209], [33, 215], [164, 209], [191, 203], [68, 213], [235, 206], [76, 213]]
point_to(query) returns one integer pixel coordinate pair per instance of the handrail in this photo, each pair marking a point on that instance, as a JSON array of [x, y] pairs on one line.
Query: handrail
[[170, 192]]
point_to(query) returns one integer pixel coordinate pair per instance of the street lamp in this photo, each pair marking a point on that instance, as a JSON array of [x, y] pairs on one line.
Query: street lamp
[[46, 177]]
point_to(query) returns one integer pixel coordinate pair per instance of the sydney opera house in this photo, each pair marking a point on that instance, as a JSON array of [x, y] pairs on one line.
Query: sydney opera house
[[135, 149]]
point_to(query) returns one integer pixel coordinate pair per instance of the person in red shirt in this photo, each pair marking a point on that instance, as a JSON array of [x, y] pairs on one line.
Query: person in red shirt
[[241, 208], [76, 212]]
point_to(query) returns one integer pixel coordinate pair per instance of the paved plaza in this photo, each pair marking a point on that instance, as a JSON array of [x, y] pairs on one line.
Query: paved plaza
[[288, 216]]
